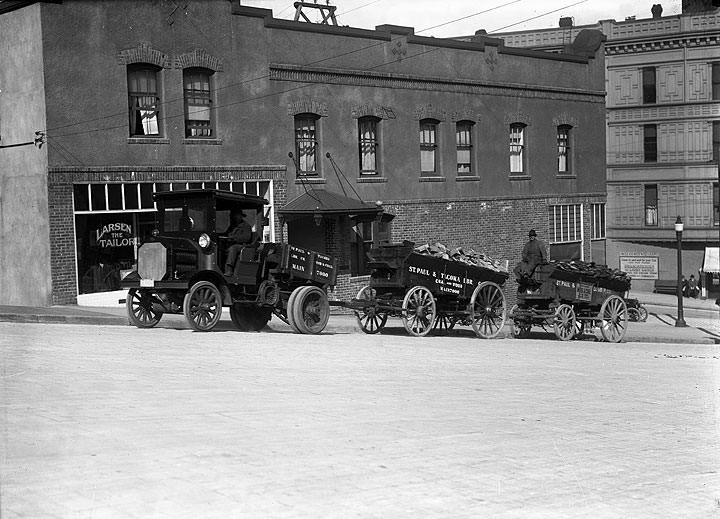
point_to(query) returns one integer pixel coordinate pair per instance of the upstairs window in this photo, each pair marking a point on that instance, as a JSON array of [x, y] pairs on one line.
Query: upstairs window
[[649, 89], [716, 204], [716, 81], [144, 100], [563, 143], [650, 143], [517, 148], [306, 145], [651, 205], [198, 103], [716, 141], [597, 226], [368, 145], [428, 147], [463, 142]]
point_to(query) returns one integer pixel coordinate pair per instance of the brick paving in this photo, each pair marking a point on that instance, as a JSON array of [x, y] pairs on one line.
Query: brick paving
[[105, 422]]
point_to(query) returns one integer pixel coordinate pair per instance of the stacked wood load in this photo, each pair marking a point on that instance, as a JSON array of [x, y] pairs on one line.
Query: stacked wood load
[[469, 257]]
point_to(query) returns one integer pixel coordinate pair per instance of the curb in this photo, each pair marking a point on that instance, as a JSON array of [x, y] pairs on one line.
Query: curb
[[109, 320]]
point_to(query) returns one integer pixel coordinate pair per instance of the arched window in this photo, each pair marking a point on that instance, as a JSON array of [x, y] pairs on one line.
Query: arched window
[[144, 100], [428, 147], [563, 144], [517, 148], [198, 103], [306, 143], [464, 143], [368, 145]]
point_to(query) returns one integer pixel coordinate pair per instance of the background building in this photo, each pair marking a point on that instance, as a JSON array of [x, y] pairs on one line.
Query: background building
[[468, 143], [663, 136]]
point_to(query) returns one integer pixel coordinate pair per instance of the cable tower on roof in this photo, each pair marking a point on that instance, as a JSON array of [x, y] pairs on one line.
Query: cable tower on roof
[[327, 12]]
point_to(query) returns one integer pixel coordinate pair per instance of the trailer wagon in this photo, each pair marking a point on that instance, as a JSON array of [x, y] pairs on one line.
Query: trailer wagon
[[429, 293], [572, 300]]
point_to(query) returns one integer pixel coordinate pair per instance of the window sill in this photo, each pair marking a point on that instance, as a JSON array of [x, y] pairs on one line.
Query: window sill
[[360, 277], [433, 179], [566, 175], [311, 180], [467, 178], [209, 142], [519, 177], [148, 140], [371, 180]]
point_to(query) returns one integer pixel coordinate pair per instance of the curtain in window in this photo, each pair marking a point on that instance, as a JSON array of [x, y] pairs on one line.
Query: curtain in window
[[305, 144], [428, 146], [463, 141], [143, 100], [563, 142], [198, 102], [367, 129], [517, 146]]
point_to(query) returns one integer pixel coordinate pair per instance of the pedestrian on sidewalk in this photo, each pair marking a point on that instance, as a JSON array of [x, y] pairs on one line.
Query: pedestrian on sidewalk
[[692, 287]]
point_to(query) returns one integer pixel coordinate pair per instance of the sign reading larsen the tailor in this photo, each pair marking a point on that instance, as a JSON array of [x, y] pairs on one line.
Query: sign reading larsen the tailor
[[115, 235], [640, 267]]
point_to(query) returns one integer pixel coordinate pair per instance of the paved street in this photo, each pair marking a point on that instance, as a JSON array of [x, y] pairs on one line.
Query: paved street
[[111, 421]]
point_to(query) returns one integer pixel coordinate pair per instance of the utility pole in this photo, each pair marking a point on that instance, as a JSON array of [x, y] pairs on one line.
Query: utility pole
[[327, 11]]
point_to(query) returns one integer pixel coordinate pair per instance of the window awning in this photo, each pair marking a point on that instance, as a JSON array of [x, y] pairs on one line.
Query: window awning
[[321, 202], [711, 263]]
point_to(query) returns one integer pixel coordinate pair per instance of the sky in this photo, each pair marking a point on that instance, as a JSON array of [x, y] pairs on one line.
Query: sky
[[491, 15]]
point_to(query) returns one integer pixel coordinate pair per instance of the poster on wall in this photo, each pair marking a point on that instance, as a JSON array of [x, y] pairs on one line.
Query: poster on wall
[[640, 267]]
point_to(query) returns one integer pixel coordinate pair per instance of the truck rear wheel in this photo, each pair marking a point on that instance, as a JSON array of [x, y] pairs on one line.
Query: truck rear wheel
[[310, 310], [202, 306]]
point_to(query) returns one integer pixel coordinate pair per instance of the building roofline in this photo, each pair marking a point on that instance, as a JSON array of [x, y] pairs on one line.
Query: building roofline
[[12, 5]]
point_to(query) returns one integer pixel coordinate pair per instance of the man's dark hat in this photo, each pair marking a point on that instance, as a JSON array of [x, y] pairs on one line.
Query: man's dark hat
[[532, 232]]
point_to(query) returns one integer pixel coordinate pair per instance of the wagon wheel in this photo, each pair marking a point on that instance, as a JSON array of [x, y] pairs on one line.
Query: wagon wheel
[[643, 313], [248, 318], [488, 310], [310, 310], [444, 324], [633, 314], [520, 328], [418, 311], [369, 318], [202, 306], [613, 319], [140, 310], [565, 324]]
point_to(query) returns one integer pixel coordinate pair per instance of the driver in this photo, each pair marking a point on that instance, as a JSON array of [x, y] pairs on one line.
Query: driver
[[240, 235]]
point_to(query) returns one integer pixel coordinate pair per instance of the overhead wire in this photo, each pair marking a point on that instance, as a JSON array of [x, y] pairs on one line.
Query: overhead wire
[[265, 76]]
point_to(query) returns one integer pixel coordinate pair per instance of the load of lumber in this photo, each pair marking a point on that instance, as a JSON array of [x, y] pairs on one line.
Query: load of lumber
[[461, 255]]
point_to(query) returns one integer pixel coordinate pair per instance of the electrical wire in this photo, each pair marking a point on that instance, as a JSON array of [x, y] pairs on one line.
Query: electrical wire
[[265, 76]]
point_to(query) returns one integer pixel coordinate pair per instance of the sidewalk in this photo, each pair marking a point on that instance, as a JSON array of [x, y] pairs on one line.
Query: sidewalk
[[655, 330], [649, 298]]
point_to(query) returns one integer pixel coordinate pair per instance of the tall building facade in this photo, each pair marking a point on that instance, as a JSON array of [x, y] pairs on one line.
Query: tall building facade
[[467, 143], [663, 137]]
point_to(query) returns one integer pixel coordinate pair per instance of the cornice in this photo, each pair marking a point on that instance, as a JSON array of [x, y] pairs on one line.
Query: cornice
[[303, 74]]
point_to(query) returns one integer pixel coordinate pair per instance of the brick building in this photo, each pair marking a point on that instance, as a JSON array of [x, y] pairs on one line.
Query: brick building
[[468, 143], [663, 136]]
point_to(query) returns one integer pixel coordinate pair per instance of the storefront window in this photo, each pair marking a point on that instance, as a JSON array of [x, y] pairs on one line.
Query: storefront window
[[112, 220]]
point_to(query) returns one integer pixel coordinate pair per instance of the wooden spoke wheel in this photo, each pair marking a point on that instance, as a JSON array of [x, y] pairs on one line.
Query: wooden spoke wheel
[[444, 324], [613, 319], [565, 324], [202, 306], [488, 310], [310, 310], [418, 311], [633, 314], [520, 327], [643, 313], [247, 318], [139, 304], [369, 318]]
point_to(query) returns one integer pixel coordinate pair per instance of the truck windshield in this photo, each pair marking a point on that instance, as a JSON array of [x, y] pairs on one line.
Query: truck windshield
[[185, 216]]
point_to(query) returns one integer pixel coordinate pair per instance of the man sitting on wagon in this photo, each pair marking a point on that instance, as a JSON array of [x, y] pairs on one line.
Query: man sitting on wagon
[[533, 254], [240, 236]]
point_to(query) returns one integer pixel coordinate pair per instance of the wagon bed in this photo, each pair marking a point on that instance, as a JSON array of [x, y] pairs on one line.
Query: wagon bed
[[571, 301], [429, 292]]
